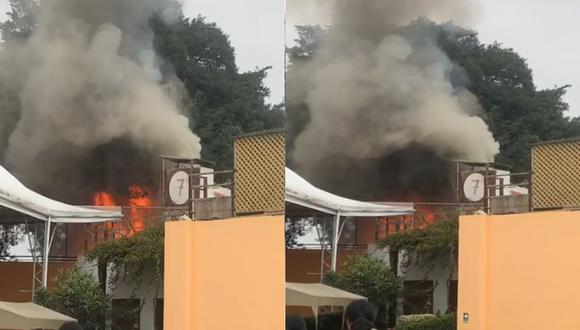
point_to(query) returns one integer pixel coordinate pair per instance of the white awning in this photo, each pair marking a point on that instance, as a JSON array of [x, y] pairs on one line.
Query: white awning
[[315, 294], [14, 195], [30, 316], [301, 192]]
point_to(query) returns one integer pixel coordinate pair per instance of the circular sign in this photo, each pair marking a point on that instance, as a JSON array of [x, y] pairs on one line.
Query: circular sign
[[474, 187], [179, 188]]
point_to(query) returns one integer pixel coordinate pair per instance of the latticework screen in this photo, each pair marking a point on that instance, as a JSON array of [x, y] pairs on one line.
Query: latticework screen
[[259, 173], [556, 174]]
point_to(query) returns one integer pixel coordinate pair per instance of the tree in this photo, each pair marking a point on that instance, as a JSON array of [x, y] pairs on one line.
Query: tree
[[131, 257], [516, 111], [225, 103], [424, 246], [369, 277], [21, 20], [76, 294], [10, 235]]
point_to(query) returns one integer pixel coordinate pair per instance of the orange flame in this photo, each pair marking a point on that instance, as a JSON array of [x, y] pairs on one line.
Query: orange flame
[[138, 201], [423, 217], [103, 199]]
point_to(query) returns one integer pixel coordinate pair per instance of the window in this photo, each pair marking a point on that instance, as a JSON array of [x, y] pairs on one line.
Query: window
[[452, 303], [158, 314], [126, 314], [417, 297], [348, 234]]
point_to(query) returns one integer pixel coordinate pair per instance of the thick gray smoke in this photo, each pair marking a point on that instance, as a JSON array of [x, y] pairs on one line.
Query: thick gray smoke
[[88, 77], [372, 91]]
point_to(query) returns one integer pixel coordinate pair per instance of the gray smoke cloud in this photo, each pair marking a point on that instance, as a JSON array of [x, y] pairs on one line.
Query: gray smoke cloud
[[372, 91], [88, 76]]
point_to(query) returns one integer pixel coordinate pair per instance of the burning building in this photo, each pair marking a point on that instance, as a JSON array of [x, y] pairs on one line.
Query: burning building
[[94, 110], [387, 114]]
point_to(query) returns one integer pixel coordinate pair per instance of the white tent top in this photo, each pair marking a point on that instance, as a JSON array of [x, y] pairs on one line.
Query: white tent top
[[316, 294], [14, 195], [30, 316], [301, 192]]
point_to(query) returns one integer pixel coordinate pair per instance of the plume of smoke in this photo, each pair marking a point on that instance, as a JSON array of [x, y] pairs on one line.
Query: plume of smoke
[[372, 91], [88, 76]]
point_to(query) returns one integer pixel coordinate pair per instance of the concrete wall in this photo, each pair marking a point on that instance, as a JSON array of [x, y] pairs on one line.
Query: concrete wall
[[441, 273], [226, 274], [519, 271], [147, 294]]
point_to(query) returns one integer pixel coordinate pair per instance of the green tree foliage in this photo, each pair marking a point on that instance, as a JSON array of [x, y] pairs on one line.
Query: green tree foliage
[[424, 322], [517, 112], [425, 245], [78, 295], [10, 235], [131, 257], [369, 277], [366, 276], [224, 102], [21, 20]]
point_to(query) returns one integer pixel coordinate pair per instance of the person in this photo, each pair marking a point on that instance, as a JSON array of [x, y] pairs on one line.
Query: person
[[362, 324], [294, 322], [360, 315], [70, 326]]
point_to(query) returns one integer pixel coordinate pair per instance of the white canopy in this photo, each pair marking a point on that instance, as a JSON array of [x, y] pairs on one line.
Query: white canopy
[[316, 294], [14, 195], [301, 192], [30, 316]]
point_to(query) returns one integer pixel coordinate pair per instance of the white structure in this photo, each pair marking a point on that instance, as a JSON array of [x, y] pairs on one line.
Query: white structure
[[442, 275], [302, 193], [14, 195]]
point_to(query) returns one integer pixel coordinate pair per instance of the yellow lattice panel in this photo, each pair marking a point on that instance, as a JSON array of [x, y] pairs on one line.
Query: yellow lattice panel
[[556, 174], [259, 178]]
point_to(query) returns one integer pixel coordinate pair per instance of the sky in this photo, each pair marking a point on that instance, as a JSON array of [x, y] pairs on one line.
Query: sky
[[255, 28], [544, 32]]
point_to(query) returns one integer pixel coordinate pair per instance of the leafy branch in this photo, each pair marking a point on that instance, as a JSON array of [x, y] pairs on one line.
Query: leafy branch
[[131, 257]]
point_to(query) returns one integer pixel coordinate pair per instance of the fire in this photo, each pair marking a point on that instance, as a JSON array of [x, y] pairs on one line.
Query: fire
[[103, 199], [424, 216], [139, 201]]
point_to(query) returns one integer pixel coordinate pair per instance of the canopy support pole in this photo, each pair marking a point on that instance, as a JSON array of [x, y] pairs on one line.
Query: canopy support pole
[[335, 238], [45, 253]]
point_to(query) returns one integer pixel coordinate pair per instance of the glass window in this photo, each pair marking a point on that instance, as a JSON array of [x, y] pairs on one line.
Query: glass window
[[417, 297], [126, 314]]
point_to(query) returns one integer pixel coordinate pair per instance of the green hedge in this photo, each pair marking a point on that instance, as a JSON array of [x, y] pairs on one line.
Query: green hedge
[[325, 322], [444, 322]]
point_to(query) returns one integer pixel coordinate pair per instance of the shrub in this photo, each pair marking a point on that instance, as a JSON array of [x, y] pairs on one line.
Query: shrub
[[325, 322], [76, 294], [427, 322], [406, 319], [366, 276]]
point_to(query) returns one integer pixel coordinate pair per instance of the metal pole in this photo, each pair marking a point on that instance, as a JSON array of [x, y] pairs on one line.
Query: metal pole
[[336, 236], [45, 253]]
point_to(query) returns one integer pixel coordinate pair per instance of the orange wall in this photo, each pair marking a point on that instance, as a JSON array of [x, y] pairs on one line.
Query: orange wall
[[225, 274], [16, 279], [519, 271]]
